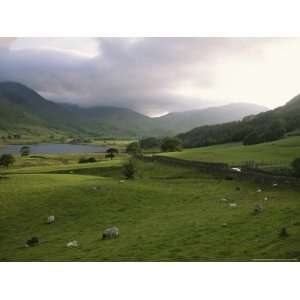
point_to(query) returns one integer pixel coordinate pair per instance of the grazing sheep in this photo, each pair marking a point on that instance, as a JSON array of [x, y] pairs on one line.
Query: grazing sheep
[[110, 233], [73, 244], [259, 190], [122, 181], [266, 198], [258, 208], [223, 199], [51, 219], [232, 204], [34, 241], [236, 169], [274, 184]]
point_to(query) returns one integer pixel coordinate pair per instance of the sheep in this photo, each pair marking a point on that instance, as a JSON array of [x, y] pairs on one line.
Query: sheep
[[73, 244], [258, 208], [236, 170], [259, 190], [110, 233], [34, 241], [51, 219], [232, 204]]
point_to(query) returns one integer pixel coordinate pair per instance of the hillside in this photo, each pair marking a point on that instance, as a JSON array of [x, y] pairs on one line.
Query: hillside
[[184, 121], [271, 154], [23, 110], [267, 126]]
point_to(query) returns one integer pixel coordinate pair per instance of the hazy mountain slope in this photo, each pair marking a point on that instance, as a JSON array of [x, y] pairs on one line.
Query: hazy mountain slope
[[184, 121], [22, 107], [267, 126]]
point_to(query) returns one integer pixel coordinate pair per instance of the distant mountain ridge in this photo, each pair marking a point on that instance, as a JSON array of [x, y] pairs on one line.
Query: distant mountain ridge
[[187, 120], [23, 110]]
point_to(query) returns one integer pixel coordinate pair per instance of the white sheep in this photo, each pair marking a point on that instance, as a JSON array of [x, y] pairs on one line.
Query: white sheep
[[73, 244], [110, 233], [51, 219]]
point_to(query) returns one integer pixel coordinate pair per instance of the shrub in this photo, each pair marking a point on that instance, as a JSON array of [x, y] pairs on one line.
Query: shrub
[[87, 160], [6, 160], [130, 169], [171, 144], [296, 166]]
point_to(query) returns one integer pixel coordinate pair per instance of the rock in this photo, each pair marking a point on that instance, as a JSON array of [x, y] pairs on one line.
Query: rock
[[258, 208], [232, 204], [73, 244], [110, 233], [51, 219], [34, 241]]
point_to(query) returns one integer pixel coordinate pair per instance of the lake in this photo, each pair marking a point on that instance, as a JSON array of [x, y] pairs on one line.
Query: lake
[[53, 149]]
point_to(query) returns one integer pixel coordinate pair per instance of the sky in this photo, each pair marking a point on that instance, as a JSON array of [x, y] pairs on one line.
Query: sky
[[155, 75]]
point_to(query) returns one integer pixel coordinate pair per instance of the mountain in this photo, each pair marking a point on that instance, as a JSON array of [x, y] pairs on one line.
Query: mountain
[[24, 111], [263, 127], [184, 121]]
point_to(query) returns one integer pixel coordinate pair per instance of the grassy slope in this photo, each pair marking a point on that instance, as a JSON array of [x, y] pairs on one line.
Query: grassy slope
[[279, 153], [169, 214]]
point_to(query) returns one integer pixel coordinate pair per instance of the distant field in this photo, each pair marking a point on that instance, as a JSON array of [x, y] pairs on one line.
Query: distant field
[[278, 153], [167, 214]]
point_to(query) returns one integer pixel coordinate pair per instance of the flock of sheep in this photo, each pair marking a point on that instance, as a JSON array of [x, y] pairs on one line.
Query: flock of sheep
[[108, 233]]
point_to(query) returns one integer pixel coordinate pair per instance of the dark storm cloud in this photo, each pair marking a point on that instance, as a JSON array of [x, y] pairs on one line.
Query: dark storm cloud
[[140, 74]]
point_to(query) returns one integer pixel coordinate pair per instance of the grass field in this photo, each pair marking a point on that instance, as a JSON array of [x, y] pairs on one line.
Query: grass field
[[278, 153], [167, 214]]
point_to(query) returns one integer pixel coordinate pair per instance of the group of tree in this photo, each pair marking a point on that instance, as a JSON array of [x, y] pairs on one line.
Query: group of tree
[[264, 127], [247, 131]]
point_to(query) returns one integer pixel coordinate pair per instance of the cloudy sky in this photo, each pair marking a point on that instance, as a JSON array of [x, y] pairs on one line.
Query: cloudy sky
[[155, 75]]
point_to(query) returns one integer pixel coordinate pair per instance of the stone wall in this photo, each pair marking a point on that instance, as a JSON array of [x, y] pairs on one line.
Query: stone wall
[[223, 170]]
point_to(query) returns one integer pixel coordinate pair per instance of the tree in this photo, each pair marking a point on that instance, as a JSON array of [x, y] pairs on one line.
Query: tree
[[111, 152], [6, 160], [296, 166], [134, 149], [130, 169], [171, 144], [25, 151]]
